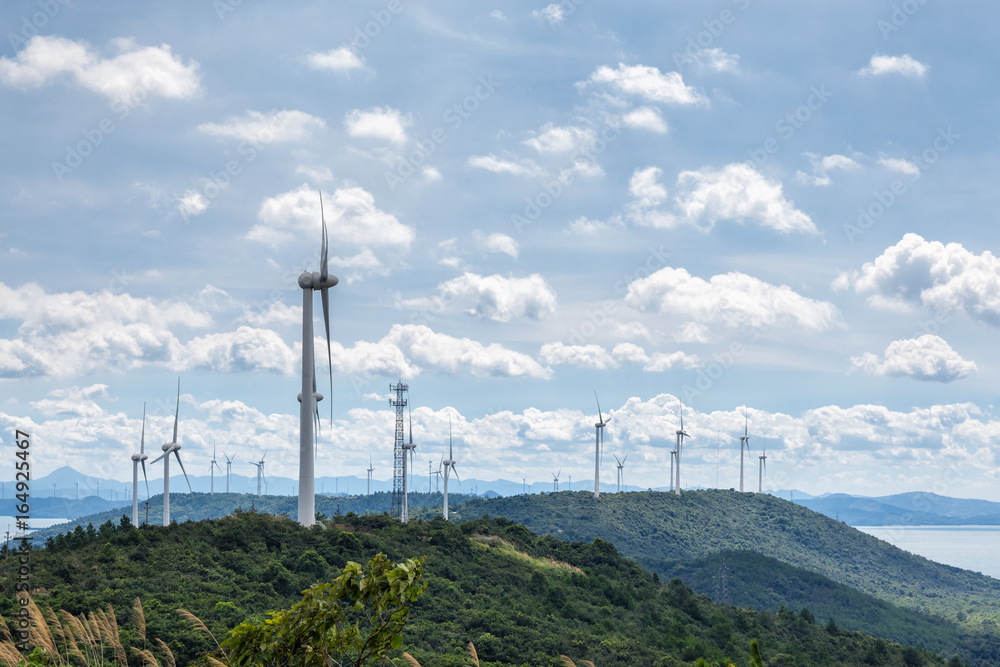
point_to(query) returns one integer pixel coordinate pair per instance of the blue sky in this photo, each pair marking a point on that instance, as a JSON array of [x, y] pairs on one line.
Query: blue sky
[[782, 205]]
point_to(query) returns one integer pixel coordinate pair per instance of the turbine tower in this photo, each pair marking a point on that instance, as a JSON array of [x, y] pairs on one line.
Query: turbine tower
[[398, 453], [212, 467], [260, 470], [449, 467], [404, 512], [229, 468], [371, 469], [621, 471], [167, 449], [744, 441], [137, 459], [555, 481], [673, 455], [310, 281], [761, 470], [598, 447], [524, 485], [680, 448]]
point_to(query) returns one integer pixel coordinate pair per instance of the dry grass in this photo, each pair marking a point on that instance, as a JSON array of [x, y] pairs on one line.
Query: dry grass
[[473, 656], [502, 545]]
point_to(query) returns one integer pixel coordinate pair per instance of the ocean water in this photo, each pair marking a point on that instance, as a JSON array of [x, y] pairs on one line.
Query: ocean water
[[9, 523], [975, 548]]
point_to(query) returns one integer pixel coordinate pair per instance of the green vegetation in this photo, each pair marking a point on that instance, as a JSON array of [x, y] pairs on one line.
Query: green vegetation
[[521, 599]]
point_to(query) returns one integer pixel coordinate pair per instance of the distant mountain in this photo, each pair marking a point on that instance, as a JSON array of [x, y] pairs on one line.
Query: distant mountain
[[907, 509]]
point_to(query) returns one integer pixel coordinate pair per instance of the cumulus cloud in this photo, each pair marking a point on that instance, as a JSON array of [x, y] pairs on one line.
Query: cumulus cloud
[[645, 118], [733, 300], [552, 13], [581, 356], [903, 65], [501, 166], [927, 357], [492, 297], [702, 198], [661, 361], [338, 60], [900, 166], [496, 242], [127, 78], [716, 59], [649, 83], [383, 123], [192, 204], [265, 128], [568, 139], [930, 273], [823, 165], [351, 216], [629, 353]]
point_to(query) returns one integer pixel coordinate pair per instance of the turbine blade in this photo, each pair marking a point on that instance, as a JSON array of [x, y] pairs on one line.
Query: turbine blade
[[142, 437], [600, 417], [455, 470], [450, 456], [145, 478], [178, 457], [323, 269], [178, 411], [158, 458], [325, 293]]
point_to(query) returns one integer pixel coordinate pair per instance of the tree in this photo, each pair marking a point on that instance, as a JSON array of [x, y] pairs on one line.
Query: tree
[[356, 620]]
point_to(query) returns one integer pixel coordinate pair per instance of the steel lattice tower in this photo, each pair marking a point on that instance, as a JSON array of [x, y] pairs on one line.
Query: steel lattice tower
[[397, 451]]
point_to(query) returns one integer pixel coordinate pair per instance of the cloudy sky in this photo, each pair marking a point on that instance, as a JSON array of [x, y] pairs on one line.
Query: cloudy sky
[[789, 206]]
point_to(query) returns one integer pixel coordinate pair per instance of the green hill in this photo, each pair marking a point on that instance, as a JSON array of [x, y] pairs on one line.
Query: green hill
[[522, 599]]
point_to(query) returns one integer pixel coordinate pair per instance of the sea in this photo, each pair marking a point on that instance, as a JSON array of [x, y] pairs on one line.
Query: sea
[[9, 524], [975, 548]]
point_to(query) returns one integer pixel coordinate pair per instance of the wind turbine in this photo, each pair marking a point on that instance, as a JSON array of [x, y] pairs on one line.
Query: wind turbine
[[744, 440], [229, 468], [524, 485], [598, 447], [371, 469], [136, 460], [761, 470], [213, 466], [555, 481], [449, 467], [673, 455], [438, 474], [404, 515], [260, 469], [169, 447], [621, 471], [310, 281], [680, 447]]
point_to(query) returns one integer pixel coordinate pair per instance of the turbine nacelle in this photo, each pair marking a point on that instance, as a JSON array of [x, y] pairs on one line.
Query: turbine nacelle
[[313, 280]]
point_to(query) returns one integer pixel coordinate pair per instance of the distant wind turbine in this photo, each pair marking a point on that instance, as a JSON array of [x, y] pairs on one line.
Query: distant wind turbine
[[260, 470], [744, 441], [680, 448], [404, 514], [310, 281], [229, 468], [555, 480], [137, 459], [524, 485], [371, 469], [449, 467], [761, 470], [168, 448], [598, 446], [621, 471], [213, 466]]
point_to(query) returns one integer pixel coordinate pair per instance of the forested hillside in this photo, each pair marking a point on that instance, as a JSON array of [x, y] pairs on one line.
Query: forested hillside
[[522, 599]]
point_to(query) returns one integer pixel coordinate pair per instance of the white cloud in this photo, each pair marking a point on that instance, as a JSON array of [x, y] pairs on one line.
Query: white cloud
[[581, 356], [497, 15], [338, 60], [702, 198], [900, 165], [500, 166], [378, 123], [649, 83], [645, 118], [265, 128], [584, 225], [945, 277], [246, 349], [660, 361], [823, 165], [552, 13], [562, 139], [492, 297], [693, 332], [430, 174], [732, 299], [192, 204], [904, 65], [496, 242], [629, 353], [717, 59], [317, 174], [927, 357], [127, 78]]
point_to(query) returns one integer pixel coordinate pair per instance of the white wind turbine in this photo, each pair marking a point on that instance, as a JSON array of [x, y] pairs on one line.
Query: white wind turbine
[[524, 485], [168, 448], [673, 455], [761, 470], [229, 468], [621, 471], [371, 469], [680, 448], [310, 281], [137, 459], [260, 470], [744, 441], [555, 480], [212, 467], [598, 447], [404, 513], [449, 467]]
